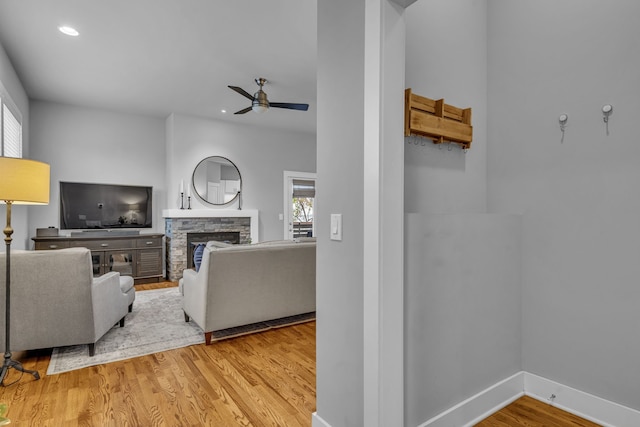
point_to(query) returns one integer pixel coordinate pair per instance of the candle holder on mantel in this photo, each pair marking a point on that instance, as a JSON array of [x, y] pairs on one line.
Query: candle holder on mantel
[[181, 200], [188, 202]]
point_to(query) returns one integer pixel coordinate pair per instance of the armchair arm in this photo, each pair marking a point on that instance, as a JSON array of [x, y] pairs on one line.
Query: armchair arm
[[194, 299], [109, 303]]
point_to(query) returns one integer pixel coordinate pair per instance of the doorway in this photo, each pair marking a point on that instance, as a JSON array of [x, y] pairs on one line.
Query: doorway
[[299, 201]]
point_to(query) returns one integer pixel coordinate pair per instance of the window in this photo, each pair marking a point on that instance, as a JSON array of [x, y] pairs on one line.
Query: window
[[304, 191], [10, 127]]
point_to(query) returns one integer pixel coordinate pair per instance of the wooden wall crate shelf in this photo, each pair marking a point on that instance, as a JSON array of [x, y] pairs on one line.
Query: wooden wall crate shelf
[[436, 120]]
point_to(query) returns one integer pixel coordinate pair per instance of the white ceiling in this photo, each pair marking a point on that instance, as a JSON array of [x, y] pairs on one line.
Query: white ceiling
[[155, 57]]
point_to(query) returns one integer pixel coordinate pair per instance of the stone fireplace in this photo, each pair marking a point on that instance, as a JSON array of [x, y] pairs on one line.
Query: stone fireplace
[[203, 224], [193, 239]]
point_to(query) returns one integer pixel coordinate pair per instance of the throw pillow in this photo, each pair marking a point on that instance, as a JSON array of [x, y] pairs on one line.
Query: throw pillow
[[197, 255]]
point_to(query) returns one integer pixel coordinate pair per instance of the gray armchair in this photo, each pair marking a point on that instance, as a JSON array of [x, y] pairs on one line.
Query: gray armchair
[[56, 301]]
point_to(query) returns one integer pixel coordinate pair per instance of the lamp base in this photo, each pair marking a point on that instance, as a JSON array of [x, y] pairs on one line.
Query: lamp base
[[9, 363]]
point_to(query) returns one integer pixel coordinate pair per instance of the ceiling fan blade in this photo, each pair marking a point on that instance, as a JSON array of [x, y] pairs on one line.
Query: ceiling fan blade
[[241, 91], [246, 110], [290, 106]]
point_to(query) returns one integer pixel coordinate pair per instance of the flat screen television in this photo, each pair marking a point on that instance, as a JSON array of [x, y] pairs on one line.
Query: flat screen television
[[86, 206]]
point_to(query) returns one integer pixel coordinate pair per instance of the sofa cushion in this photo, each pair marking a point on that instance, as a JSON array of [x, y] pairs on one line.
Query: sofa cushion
[[217, 244], [197, 255]]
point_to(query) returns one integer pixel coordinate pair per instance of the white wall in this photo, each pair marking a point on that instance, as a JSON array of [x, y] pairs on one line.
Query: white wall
[[261, 155], [19, 214], [579, 198], [91, 145], [446, 58]]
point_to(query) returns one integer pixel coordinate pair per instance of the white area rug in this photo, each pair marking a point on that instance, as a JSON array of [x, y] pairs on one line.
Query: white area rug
[[156, 324]]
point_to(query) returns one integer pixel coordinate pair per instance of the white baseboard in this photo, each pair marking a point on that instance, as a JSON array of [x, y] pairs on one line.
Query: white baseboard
[[316, 421], [480, 406], [585, 405]]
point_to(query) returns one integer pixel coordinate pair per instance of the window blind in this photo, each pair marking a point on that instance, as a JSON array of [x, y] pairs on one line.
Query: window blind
[[10, 126], [11, 133], [304, 188]]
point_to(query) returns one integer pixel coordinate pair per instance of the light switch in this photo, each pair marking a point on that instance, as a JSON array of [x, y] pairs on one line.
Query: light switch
[[336, 226], [281, 217]]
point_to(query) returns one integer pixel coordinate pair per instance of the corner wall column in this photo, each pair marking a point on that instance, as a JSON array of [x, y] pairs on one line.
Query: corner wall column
[[360, 329], [384, 214]]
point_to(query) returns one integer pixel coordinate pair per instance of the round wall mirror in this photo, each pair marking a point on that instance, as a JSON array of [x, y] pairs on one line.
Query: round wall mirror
[[217, 181]]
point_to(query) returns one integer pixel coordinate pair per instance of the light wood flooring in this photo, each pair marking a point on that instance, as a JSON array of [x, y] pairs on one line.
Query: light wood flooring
[[529, 412], [264, 379]]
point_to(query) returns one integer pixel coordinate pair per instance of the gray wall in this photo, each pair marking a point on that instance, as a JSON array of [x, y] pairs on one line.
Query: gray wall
[[463, 305], [92, 145], [462, 277], [339, 292], [261, 154], [19, 214], [360, 173], [580, 198], [446, 57]]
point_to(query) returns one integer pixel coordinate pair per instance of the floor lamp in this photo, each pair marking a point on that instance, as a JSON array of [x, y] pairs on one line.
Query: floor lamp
[[26, 182]]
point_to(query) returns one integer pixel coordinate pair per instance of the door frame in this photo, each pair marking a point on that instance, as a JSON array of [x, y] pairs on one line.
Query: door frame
[[289, 176]]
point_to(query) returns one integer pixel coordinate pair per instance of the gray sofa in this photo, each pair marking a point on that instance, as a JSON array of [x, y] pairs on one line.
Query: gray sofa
[[244, 284], [56, 301]]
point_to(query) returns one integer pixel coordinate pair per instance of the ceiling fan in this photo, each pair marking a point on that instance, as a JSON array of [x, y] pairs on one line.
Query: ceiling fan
[[260, 103]]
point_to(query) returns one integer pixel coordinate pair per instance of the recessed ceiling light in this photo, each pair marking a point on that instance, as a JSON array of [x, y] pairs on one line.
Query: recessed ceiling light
[[223, 111], [70, 31]]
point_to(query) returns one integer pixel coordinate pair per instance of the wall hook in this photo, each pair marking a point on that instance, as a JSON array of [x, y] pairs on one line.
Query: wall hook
[[607, 110], [563, 125]]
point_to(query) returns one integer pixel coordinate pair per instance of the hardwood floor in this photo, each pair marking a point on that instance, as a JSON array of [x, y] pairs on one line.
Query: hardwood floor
[[264, 379], [155, 285], [529, 412]]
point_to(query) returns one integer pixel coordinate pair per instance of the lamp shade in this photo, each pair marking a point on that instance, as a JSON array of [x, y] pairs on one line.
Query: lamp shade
[[24, 181]]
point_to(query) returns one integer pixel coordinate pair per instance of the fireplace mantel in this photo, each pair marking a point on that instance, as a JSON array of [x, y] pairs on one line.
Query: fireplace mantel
[[218, 213]]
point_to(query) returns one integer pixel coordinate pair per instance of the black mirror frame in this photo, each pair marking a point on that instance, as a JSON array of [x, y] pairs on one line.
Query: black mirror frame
[[195, 190]]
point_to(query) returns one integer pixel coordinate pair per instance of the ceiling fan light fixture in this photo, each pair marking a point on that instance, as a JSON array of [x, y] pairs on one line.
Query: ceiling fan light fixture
[[259, 108], [260, 103]]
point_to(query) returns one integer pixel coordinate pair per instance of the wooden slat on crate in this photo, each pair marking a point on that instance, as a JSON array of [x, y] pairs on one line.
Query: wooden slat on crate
[[437, 120]]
